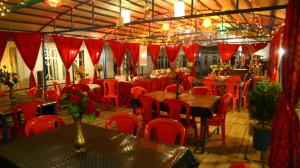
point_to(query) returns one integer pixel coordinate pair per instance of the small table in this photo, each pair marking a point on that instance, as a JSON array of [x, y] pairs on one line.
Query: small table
[[201, 106], [6, 106], [105, 149]]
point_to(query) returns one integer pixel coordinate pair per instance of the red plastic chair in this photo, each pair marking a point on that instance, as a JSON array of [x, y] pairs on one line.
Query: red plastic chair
[[125, 122], [85, 81], [57, 88], [233, 89], [165, 130], [191, 80], [137, 91], [52, 95], [239, 165], [234, 78], [83, 87], [172, 88], [29, 111], [175, 107], [147, 108], [219, 119], [244, 93], [33, 92], [42, 124], [200, 90], [111, 91], [211, 84]]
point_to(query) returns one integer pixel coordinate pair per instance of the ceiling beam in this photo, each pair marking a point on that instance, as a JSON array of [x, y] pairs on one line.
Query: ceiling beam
[[26, 4], [228, 12]]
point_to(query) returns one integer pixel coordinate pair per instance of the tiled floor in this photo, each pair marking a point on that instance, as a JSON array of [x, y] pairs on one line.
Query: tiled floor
[[238, 141]]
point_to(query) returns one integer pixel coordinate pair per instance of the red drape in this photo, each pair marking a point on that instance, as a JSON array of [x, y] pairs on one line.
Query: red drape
[[134, 49], [94, 47], [154, 51], [3, 42], [191, 52], [68, 49], [118, 50], [226, 51], [29, 45], [285, 148], [274, 56], [172, 52], [249, 49]]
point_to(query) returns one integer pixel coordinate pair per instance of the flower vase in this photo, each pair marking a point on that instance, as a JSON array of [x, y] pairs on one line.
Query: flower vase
[[11, 91], [177, 91], [79, 140], [99, 75]]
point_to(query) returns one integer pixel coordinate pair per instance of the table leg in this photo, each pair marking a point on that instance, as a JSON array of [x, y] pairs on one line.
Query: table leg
[[5, 130], [134, 104], [240, 98], [204, 123]]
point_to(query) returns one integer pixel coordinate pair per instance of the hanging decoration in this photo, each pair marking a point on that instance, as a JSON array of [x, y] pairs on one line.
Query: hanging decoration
[[249, 49], [172, 52], [118, 50], [274, 56], [134, 51], [3, 42], [226, 51], [191, 52], [154, 51], [3, 8]]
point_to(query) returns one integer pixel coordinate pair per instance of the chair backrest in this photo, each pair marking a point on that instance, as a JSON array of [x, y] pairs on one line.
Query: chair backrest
[[175, 108], [245, 88], [137, 91], [191, 79], [111, 87], [125, 122], [223, 106], [33, 92], [83, 87], [166, 130], [200, 90], [147, 108], [85, 81], [232, 87], [51, 95], [57, 87], [211, 84], [43, 124], [172, 88], [29, 110], [234, 78]]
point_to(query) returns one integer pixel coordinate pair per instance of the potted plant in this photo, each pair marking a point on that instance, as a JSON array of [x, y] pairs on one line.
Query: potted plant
[[263, 102]]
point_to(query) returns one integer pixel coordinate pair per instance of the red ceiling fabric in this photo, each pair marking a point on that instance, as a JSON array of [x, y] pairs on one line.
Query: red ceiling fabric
[[274, 56], [94, 47], [285, 148], [154, 51], [172, 52], [191, 52], [134, 49], [68, 49], [226, 51], [29, 45], [118, 50], [249, 49], [3, 42]]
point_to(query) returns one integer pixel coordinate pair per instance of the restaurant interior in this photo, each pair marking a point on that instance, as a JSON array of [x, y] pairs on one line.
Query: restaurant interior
[[150, 83]]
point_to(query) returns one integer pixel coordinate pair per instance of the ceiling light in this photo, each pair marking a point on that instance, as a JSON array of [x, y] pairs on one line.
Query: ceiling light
[[178, 8], [281, 51], [206, 22], [53, 3], [165, 26], [126, 15]]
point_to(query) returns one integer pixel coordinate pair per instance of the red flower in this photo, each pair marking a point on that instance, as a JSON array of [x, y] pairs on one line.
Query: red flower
[[91, 107], [75, 99], [76, 90]]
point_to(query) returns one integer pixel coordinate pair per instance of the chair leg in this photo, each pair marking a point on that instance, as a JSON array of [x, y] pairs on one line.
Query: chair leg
[[233, 104], [245, 103], [223, 133]]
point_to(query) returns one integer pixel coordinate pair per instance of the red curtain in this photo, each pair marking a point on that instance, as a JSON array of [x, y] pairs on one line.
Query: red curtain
[[285, 148], [154, 51], [249, 49], [118, 50], [191, 52], [94, 47], [134, 49], [226, 51], [29, 45], [3, 42], [172, 52], [274, 56], [68, 49]]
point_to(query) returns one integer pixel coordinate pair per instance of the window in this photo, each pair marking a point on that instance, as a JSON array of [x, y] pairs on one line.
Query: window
[[51, 59], [205, 59], [81, 58], [215, 61]]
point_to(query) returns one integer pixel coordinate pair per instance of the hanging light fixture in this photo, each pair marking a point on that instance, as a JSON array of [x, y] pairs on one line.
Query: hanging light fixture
[[165, 26], [53, 3], [126, 15], [206, 22], [178, 8]]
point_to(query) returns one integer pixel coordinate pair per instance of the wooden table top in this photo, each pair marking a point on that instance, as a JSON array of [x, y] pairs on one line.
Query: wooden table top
[[199, 101], [6, 105]]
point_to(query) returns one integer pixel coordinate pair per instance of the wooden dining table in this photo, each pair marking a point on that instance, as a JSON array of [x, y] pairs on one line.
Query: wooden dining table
[[105, 149], [6, 106], [201, 106]]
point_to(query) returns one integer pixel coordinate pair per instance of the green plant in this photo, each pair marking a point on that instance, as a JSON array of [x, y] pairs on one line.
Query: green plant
[[263, 102]]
